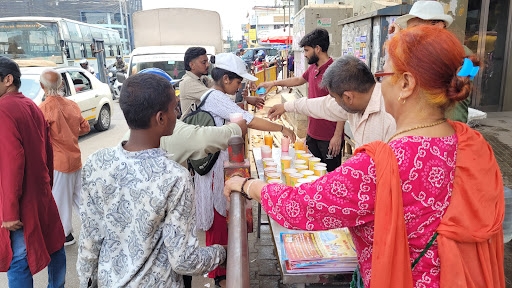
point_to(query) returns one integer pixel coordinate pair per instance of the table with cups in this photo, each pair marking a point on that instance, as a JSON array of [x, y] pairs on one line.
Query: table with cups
[[293, 167]]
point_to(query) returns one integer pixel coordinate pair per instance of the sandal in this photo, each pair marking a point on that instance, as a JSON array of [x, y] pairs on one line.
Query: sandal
[[218, 279]]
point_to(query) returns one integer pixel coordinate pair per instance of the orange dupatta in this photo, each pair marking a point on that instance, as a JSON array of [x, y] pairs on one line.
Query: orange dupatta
[[470, 239]]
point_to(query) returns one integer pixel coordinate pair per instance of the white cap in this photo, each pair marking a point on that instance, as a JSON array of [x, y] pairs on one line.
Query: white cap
[[426, 10], [233, 63]]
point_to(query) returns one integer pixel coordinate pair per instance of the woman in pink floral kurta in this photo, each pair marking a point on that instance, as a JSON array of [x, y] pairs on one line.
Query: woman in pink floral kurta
[[346, 198]]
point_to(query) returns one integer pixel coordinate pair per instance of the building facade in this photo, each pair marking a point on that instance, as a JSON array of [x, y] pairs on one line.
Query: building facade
[[115, 14]]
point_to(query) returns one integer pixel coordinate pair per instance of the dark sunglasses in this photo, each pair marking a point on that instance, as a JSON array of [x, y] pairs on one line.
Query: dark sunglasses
[[379, 75]]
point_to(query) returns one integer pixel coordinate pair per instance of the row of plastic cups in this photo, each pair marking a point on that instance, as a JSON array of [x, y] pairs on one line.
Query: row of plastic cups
[[292, 175]]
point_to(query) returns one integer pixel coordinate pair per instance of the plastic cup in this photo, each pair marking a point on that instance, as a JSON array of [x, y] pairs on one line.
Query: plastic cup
[[269, 170], [298, 154], [320, 164], [301, 167], [302, 181], [320, 171], [287, 173], [307, 173], [300, 162], [312, 162], [266, 160], [275, 181], [307, 156], [272, 165], [266, 151], [271, 176], [299, 145], [286, 162], [294, 177], [313, 178], [285, 144], [269, 140], [235, 117]]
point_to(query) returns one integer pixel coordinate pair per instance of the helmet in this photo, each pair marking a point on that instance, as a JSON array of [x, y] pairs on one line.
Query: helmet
[[162, 73], [84, 61], [118, 57], [261, 53]]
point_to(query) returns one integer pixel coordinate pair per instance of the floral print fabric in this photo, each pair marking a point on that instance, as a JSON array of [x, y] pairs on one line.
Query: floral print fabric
[[346, 198], [138, 220]]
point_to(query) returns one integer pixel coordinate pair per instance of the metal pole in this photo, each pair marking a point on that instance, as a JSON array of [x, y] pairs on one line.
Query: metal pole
[[122, 23], [127, 28], [237, 275]]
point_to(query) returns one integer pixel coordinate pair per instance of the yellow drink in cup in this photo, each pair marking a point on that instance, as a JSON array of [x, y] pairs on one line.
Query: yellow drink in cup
[[301, 181], [320, 164], [307, 173], [320, 170], [307, 156], [271, 176], [313, 178], [312, 162], [301, 167], [294, 177], [269, 170], [269, 140], [299, 145], [300, 162], [287, 173], [272, 165], [286, 162], [298, 153]]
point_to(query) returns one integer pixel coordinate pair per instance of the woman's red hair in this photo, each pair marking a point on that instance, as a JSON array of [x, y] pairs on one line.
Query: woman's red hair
[[433, 56]]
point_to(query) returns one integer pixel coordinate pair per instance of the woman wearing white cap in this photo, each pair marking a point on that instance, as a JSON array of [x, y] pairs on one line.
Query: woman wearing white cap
[[211, 207], [432, 13]]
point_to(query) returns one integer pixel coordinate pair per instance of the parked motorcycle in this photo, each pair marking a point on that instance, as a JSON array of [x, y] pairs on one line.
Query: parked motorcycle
[[115, 81]]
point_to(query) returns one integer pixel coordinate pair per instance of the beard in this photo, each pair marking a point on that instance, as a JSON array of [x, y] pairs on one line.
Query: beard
[[346, 108], [313, 59]]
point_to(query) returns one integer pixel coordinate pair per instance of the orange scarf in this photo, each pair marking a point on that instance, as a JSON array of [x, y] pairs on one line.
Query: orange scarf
[[470, 239]]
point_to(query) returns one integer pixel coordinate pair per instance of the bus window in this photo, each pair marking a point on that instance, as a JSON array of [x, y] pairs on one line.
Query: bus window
[[111, 50]]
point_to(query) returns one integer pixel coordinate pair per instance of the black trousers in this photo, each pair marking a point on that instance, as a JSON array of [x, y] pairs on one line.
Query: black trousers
[[320, 149], [187, 280]]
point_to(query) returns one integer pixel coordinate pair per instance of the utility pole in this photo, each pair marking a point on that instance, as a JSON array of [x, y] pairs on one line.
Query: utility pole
[[122, 23], [128, 20]]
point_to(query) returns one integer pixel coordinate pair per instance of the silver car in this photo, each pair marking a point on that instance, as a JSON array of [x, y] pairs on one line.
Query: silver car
[[92, 96]]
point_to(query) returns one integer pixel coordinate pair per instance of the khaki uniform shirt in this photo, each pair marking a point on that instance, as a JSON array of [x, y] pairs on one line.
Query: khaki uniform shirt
[[191, 90]]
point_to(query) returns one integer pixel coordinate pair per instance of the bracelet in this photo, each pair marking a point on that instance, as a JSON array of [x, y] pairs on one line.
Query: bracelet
[[246, 196], [249, 190], [282, 128]]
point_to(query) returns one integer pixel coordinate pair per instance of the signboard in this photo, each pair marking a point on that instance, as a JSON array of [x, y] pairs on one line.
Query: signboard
[[252, 34], [324, 22]]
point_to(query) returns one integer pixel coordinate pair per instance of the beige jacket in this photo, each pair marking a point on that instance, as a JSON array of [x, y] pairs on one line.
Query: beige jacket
[[371, 125], [191, 90], [195, 142]]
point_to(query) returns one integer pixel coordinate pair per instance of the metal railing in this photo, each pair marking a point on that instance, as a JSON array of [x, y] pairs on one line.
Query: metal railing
[[238, 251]]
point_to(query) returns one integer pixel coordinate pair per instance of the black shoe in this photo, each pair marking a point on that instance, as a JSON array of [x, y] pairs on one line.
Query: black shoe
[[218, 279], [70, 240]]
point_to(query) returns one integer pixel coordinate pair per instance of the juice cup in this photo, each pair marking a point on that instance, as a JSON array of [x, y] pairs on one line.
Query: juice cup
[[320, 171], [312, 162], [313, 178], [300, 162], [299, 144], [271, 176], [294, 177], [302, 181], [267, 160], [320, 164], [269, 170], [301, 167], [275, 181], [307, 156], [287, 173], [286, 162], [269, 140], [285, 144], [298, 154], [266, 152], [307, 173], [272, 165]]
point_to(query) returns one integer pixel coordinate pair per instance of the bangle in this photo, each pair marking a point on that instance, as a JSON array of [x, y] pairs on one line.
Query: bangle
[[249, 190], [282, 128], [246, 196]]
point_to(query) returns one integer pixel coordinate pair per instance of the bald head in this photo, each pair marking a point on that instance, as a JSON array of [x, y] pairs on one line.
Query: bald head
[[50, 82]]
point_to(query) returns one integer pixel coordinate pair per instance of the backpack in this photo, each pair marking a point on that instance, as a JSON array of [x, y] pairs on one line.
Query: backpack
[[200, 117]]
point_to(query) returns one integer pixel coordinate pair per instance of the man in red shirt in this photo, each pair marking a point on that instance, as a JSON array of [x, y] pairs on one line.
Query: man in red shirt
[[31, 235], [66, 124], [324, 137]]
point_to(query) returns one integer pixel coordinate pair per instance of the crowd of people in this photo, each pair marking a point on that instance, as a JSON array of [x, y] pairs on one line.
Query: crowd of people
[[422, 210]]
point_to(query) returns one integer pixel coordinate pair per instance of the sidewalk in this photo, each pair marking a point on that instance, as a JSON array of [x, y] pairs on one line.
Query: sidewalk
[[264, 271]]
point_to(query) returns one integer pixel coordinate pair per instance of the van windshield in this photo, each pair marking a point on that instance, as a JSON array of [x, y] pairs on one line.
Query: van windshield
[[171, 63]]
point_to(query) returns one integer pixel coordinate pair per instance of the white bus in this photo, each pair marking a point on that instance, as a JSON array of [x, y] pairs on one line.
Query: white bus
[[62, 41]]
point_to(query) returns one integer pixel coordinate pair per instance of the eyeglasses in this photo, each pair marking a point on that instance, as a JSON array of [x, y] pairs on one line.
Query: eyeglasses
[[379, 75]]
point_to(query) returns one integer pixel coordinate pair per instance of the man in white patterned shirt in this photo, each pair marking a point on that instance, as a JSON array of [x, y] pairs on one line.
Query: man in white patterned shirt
[[137, 209], [355, 97]]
